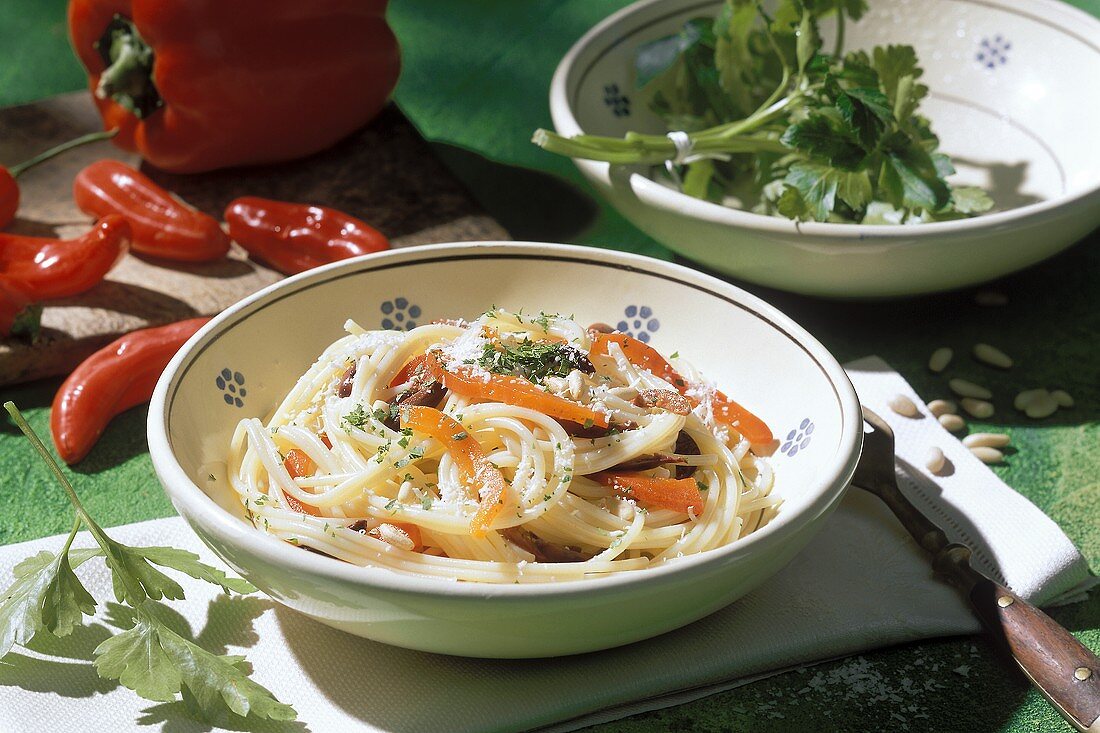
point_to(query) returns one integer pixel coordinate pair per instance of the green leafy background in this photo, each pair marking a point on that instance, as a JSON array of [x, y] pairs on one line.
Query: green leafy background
[[474, 81]]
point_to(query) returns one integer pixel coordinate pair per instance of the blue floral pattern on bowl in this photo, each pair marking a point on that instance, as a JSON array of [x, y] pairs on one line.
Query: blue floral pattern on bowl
[[616, 100], [639, 322], [399, 314], [993, 52], [231, 385], [798, 439]]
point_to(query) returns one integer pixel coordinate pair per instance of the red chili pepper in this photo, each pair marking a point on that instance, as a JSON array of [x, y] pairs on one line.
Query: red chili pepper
[[9, 189], [293, 238], [112, 380], [163, 226], [206, 84], [36, 268]]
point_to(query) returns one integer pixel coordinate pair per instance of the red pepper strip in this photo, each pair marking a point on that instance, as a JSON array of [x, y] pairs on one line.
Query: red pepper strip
[[646, 357], [9, 189], [408, 370], [473, 465], [664, 493], [57, 268], [298, 463], [512, 391], [163, 226], [117, 377], [294, 238]]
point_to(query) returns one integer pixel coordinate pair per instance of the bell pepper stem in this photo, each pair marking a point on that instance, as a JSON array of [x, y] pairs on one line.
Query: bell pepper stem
[[45, 155], [128, 76]]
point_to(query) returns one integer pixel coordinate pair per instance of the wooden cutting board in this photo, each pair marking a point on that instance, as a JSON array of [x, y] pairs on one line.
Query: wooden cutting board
[[384, 174]]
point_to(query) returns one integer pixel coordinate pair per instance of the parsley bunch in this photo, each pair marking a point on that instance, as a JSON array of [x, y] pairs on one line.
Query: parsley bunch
[[149, 658], [782, 127]]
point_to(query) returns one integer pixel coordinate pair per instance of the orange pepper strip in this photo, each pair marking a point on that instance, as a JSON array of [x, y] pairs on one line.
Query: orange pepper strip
[[408, 371], [473, 465], [664, 493], [646, 357], [297, 464], [512, 391]]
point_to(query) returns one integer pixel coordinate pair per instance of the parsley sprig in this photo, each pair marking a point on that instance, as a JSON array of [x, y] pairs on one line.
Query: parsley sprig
[[149, 658], [785, 127]]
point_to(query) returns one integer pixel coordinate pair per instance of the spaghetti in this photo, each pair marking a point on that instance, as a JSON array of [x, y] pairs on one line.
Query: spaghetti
[[506, 449]]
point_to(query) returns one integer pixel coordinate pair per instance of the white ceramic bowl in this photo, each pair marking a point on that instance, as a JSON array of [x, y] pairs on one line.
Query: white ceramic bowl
[[246, 359], [1015, 98]]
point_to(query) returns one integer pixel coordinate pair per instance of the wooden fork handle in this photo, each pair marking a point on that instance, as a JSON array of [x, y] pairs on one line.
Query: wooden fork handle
[[1062, 668]]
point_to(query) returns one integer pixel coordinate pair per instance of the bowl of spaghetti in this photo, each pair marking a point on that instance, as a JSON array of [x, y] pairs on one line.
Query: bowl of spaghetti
[[504, 449]]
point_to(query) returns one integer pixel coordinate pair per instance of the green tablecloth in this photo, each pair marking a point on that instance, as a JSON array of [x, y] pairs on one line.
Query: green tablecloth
[[475, 80]]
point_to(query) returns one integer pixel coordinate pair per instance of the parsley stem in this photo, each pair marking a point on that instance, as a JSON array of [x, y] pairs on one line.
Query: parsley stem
[[839, 47], [55, 469], [77, 521]]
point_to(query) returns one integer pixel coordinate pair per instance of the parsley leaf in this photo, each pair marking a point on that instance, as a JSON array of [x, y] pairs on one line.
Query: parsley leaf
[[46, 594], [822, 137], [155, 662]]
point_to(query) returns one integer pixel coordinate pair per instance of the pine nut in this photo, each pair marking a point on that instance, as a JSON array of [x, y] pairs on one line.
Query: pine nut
[[978, 408], [986, 440], [1042, 406], [1063, 398], [992, 356], [935, 460], [942, 407], [963, 388], [990, 298], [940, 358], [985, 454], [1026, 397], [902, 405], [952, 423], [394, 536]]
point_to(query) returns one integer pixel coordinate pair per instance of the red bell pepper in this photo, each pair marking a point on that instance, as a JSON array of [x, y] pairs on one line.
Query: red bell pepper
[[195, 85], [294, 238], [163, 226]]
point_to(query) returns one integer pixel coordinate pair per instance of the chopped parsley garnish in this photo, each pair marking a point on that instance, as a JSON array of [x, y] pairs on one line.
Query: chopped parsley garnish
[[534, 360], [675, 355], [357, 418], [389, 412], [391, 505], [701, 485], [382, 451], [543, 320], [413, 455], [461, 435]]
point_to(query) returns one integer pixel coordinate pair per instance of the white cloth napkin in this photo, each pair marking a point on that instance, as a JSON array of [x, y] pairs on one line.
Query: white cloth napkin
[[862, 583]]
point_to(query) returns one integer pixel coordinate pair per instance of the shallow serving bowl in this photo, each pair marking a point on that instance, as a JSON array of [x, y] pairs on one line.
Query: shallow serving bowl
[[246, 359], [1014, 98]]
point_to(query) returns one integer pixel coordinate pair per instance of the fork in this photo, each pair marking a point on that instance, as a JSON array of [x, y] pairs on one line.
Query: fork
[[1060, 667]]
